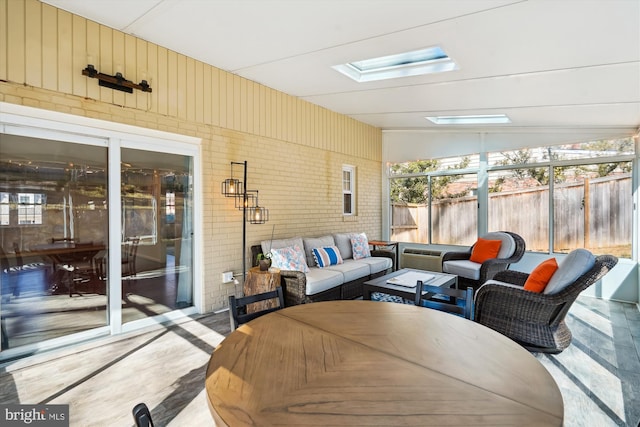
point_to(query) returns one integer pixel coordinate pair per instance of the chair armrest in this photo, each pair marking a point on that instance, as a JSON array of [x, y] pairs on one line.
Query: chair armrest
[[451, 256], [294, 286], [386, 254], [496, 303], [493, 266], [511, 276]]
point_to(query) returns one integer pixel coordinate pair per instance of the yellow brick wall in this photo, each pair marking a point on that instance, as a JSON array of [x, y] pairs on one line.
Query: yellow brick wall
[[295, 150]]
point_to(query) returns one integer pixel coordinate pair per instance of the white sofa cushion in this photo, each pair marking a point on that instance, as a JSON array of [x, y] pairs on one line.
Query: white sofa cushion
[[322, 279], [508, 245], [351, 270], [377, 264], [464, 268], [574, 265]]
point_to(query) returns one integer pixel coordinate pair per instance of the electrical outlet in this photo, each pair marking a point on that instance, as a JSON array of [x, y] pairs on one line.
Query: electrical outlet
[[227, 277]]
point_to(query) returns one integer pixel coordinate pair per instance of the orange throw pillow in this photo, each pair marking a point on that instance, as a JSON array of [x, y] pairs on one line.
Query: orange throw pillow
[[540, 276], [485, 249]]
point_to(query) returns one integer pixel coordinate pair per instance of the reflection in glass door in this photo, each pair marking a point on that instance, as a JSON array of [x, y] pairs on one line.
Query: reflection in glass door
[[96, 230], [53, 238], [157, 233]]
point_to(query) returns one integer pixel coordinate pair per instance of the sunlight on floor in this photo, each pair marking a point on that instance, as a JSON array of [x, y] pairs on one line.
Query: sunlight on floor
[[164, 366], [593, 319], [592, 391], [193, 415]]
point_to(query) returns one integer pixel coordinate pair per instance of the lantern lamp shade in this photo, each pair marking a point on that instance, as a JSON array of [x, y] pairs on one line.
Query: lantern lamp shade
[[232, 187], [258, 215], [247, 200]]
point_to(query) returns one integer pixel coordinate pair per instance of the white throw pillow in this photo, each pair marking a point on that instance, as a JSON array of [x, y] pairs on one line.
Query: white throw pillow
[[289, 258], [360, 246]]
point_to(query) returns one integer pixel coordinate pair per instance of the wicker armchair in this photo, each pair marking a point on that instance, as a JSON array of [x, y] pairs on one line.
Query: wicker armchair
[[534, 320], [489, 268]]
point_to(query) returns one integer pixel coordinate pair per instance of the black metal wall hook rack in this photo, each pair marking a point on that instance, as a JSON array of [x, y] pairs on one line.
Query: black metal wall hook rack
[[117, 82]]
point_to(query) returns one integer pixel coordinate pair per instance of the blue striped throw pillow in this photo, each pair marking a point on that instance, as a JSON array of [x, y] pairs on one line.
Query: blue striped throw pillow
[[327, 256]]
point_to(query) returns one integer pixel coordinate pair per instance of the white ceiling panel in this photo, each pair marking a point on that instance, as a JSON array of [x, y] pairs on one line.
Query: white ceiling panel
[[116, 14], [565, 87], [548, 117], [544, 63]]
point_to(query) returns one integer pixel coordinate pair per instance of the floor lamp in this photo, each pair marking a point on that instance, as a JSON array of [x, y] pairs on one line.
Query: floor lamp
[[248, 203]]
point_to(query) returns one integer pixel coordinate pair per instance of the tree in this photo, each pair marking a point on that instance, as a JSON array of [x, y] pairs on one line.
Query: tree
[[617, 146], [518, 157], [416, 189], [540, 174]]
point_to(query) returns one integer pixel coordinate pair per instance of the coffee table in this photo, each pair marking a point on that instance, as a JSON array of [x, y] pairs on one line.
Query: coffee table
[[380, 284]]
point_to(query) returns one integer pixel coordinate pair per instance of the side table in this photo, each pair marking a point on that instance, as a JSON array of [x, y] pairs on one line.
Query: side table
[[258, 282]]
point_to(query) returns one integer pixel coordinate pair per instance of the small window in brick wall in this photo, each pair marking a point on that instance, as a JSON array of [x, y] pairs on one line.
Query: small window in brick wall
[[348, 190]]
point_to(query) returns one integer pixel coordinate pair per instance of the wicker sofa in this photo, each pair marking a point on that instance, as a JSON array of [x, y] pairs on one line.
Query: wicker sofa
[[341, 281]]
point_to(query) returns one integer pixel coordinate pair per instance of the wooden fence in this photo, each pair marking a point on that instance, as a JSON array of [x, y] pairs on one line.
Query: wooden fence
[[594, 213]]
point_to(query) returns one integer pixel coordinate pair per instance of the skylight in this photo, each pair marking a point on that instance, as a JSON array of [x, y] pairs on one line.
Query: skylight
[[414, 63], [486, 119]]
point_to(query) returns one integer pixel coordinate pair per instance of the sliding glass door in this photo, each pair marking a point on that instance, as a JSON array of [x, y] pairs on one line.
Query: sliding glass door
[[157, 246], [96, 234], [53, 238]]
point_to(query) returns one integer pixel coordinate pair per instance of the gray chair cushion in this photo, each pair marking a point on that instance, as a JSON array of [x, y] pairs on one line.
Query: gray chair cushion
[[508, 245], [343, 242], [281, 243], [464, 268], [574, 265]]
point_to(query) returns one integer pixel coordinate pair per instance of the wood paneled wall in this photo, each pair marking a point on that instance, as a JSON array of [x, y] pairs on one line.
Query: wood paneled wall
[[296, 149], [46, 47]]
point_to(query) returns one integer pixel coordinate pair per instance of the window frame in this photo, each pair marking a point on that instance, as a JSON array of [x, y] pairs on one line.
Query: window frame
[[30, 209], [431, 175], [549, 164], [170, 206], [349, 192], [5, 209]]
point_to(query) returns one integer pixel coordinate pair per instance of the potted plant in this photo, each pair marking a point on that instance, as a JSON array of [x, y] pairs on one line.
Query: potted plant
[[264, 261]]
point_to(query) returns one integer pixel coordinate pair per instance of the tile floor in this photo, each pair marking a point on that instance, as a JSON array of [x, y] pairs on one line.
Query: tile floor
[[599, 374]]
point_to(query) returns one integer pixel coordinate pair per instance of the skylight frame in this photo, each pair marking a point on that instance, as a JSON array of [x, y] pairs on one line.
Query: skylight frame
[[413, 63], [477, 119]]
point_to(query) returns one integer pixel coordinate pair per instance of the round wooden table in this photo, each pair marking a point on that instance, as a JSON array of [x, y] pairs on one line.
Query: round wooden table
[[373, 363]]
